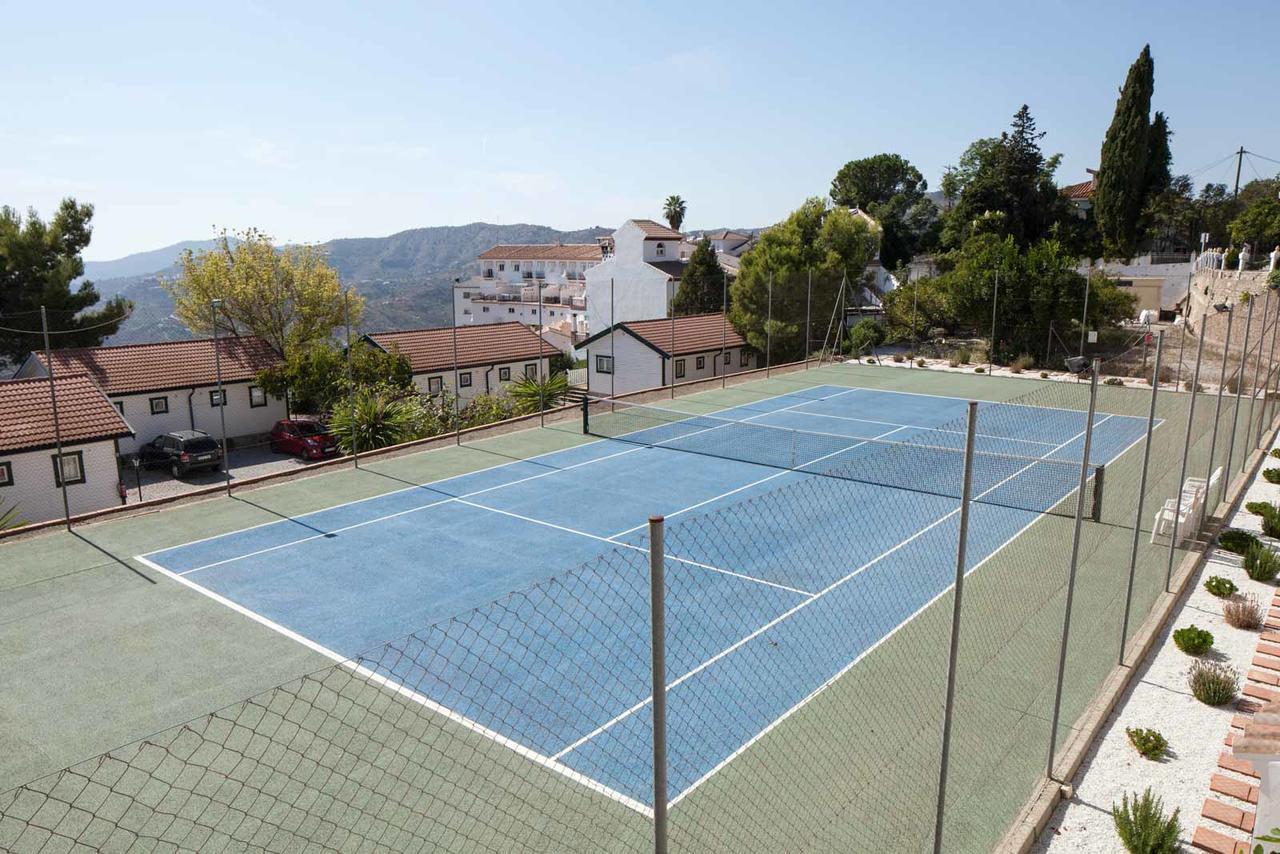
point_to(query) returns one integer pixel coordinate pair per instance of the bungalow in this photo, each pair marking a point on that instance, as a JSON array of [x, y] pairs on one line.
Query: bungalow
[[489, 357], [173, 385], [31, 474], [640, 354]]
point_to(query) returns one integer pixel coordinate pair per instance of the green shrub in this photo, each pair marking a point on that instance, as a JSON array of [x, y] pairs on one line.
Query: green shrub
[[866, 334], [377, 418], [979, 370], [529, 393], [962, 356], [1261, 563], [1142, 826], [1044, 375], [1022, 363], [1149, 743], [899, 358], [1113, 381], [1261, 508], [1242, 612], [1219, 586], [1275, 452], [1271, 525], [1186, 384], [1271, 475], [919, 363], [1193, 640], [1212, 683], [1237, 541]]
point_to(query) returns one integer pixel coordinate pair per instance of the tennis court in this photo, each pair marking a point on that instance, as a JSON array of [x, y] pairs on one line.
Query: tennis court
[[349, 578]]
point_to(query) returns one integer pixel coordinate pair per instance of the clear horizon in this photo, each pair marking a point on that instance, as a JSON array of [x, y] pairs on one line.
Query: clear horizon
[[314, 122]]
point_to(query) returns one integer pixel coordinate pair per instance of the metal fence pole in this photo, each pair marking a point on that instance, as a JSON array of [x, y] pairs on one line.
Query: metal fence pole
[[966, 492], [457, 389], [1266, 380], [351, 382], [658, 639], [808, 323], [1075, 559], [57, 426], [1186, 451], [995, 301], [1084, 315], [724, 326], [768, 331], [915, 297], [613, 364], [542, 402], [671, 310], [214, 305], [1182, 346], [1217, 407], [1142, 494], [1235, 409], [1253, 382]]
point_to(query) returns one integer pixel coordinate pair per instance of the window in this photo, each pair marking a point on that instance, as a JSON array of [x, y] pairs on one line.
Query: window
[[516, 267], [1124, 283], [511, 311], [217, 398], [504, 374], [485, 309], [466, 294], [466, 311], [604, 364], [72, 468], [702, 362], [159, 405], [531, 370], [679, 368], [6, 474], [728, 357], [742, 362], [435, 385], [464, 379], [660, 250], [257, 397], [119, 405]]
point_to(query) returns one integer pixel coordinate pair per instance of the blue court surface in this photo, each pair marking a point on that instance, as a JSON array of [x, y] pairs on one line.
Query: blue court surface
[[349, 578]]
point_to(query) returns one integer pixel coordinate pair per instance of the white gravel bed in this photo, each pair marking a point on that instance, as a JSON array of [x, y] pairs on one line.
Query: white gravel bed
[[1159, 699]]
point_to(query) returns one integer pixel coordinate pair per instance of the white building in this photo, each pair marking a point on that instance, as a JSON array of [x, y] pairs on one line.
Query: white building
[[489, 357], [174, 385], [645, 354], [30, 473], [511, 277], [639, 277]]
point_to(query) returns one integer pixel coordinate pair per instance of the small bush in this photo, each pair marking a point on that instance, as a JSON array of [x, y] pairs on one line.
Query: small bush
[[1186, 384], [979, 370], [1113, 381], [1275, 452], [1149, 743], [1271, 475], [1271, 525], [1243, 612], [1261, 508], [899, 358], [962, 356], [1261, 563], [1023, 363], [1044, 375], [1219, 586], [1142, 826], [1212, 683], [919, 363], [1236, 541], [1233, 384], [1193, 640]]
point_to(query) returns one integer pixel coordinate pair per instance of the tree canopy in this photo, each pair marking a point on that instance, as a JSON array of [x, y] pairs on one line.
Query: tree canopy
[[702, 282], [673, 210], [815, 248], [1258, 225], [38, 263], [892, 191], [289, 297], [315, 375]]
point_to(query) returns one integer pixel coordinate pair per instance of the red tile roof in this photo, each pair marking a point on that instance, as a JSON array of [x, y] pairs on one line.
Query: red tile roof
[[1078, 192], [542, 252], [84, 413], [656, 231], [136, 368], [430, 350], [695, 333]]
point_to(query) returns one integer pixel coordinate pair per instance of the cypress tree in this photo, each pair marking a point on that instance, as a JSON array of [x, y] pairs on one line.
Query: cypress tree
[[701, 284], [1123, 176]]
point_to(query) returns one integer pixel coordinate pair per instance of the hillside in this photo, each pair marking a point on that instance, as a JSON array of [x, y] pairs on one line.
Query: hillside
[[405, 277]]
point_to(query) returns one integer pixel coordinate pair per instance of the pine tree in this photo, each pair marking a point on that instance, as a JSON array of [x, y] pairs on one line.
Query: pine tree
[[1123, 187], [701, 284]]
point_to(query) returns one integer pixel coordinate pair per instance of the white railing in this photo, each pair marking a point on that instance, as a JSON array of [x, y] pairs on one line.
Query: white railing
[[577, 376]]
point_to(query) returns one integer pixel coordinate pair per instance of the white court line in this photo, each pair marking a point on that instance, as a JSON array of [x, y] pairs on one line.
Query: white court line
[[996, 402], [922, 427], [794, 610], [480, 729], [429, 487]]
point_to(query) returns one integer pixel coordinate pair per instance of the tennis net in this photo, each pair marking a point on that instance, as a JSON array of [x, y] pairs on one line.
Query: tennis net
[[932, 462]]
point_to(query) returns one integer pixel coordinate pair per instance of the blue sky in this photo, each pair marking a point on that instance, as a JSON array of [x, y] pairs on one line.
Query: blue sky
[[321, 120]]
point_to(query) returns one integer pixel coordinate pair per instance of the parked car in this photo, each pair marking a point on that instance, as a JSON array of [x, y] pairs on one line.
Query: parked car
[[310, 440], [182, 451]]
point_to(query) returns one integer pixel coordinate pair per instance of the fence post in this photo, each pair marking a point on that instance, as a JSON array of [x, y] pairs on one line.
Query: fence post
[[1217, 407], [542, 401], [214, 305], [1075, 559], [1266, 380], [1186, 450], [724, 324], [613, 363], [1142, 494], [995, 301], [57, 426], [915, 339], [1253, 383], [351, 382], [1084, 315], [1235, 410], [672, 311], [966, 492], [808, 323], [457, 390], [768, 332], [658, 628]]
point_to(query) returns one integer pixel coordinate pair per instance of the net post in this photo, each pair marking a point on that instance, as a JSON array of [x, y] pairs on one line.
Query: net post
[[1217, 408], [1186, 451], [1099, 485], [657, 624], [1075, 560], [1142, 494], [1235, 409], [586, 416], [1253, 384], [966, 492]]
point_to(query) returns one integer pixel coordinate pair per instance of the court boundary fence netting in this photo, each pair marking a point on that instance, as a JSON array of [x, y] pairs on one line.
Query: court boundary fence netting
[[890, 695]]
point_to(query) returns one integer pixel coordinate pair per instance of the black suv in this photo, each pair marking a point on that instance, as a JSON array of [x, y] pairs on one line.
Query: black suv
[[182, 451]]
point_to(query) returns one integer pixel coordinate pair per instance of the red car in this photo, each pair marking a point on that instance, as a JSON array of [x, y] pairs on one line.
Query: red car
[[310, 440]]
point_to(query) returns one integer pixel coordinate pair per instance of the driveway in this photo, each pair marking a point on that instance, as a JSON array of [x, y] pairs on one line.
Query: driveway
[[245, 463]]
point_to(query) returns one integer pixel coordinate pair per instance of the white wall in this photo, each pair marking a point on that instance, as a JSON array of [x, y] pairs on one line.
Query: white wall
[[640, 292], [242, 419], [493, 373], [638, 367], [37, 494]]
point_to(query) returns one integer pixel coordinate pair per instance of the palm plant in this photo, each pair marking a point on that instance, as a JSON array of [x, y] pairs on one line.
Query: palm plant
[[673, 209], [9, 518], [531, 392], [376, 419]]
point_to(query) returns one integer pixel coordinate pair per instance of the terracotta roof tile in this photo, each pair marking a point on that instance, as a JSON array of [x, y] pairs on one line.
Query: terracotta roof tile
[[431, 350], [695, 333], [1079, 192], [656, 231], [136, 368], [84, 413], [542, 252]]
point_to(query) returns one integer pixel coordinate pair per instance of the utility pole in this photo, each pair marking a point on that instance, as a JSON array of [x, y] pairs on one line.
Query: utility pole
[[1239, 162]]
